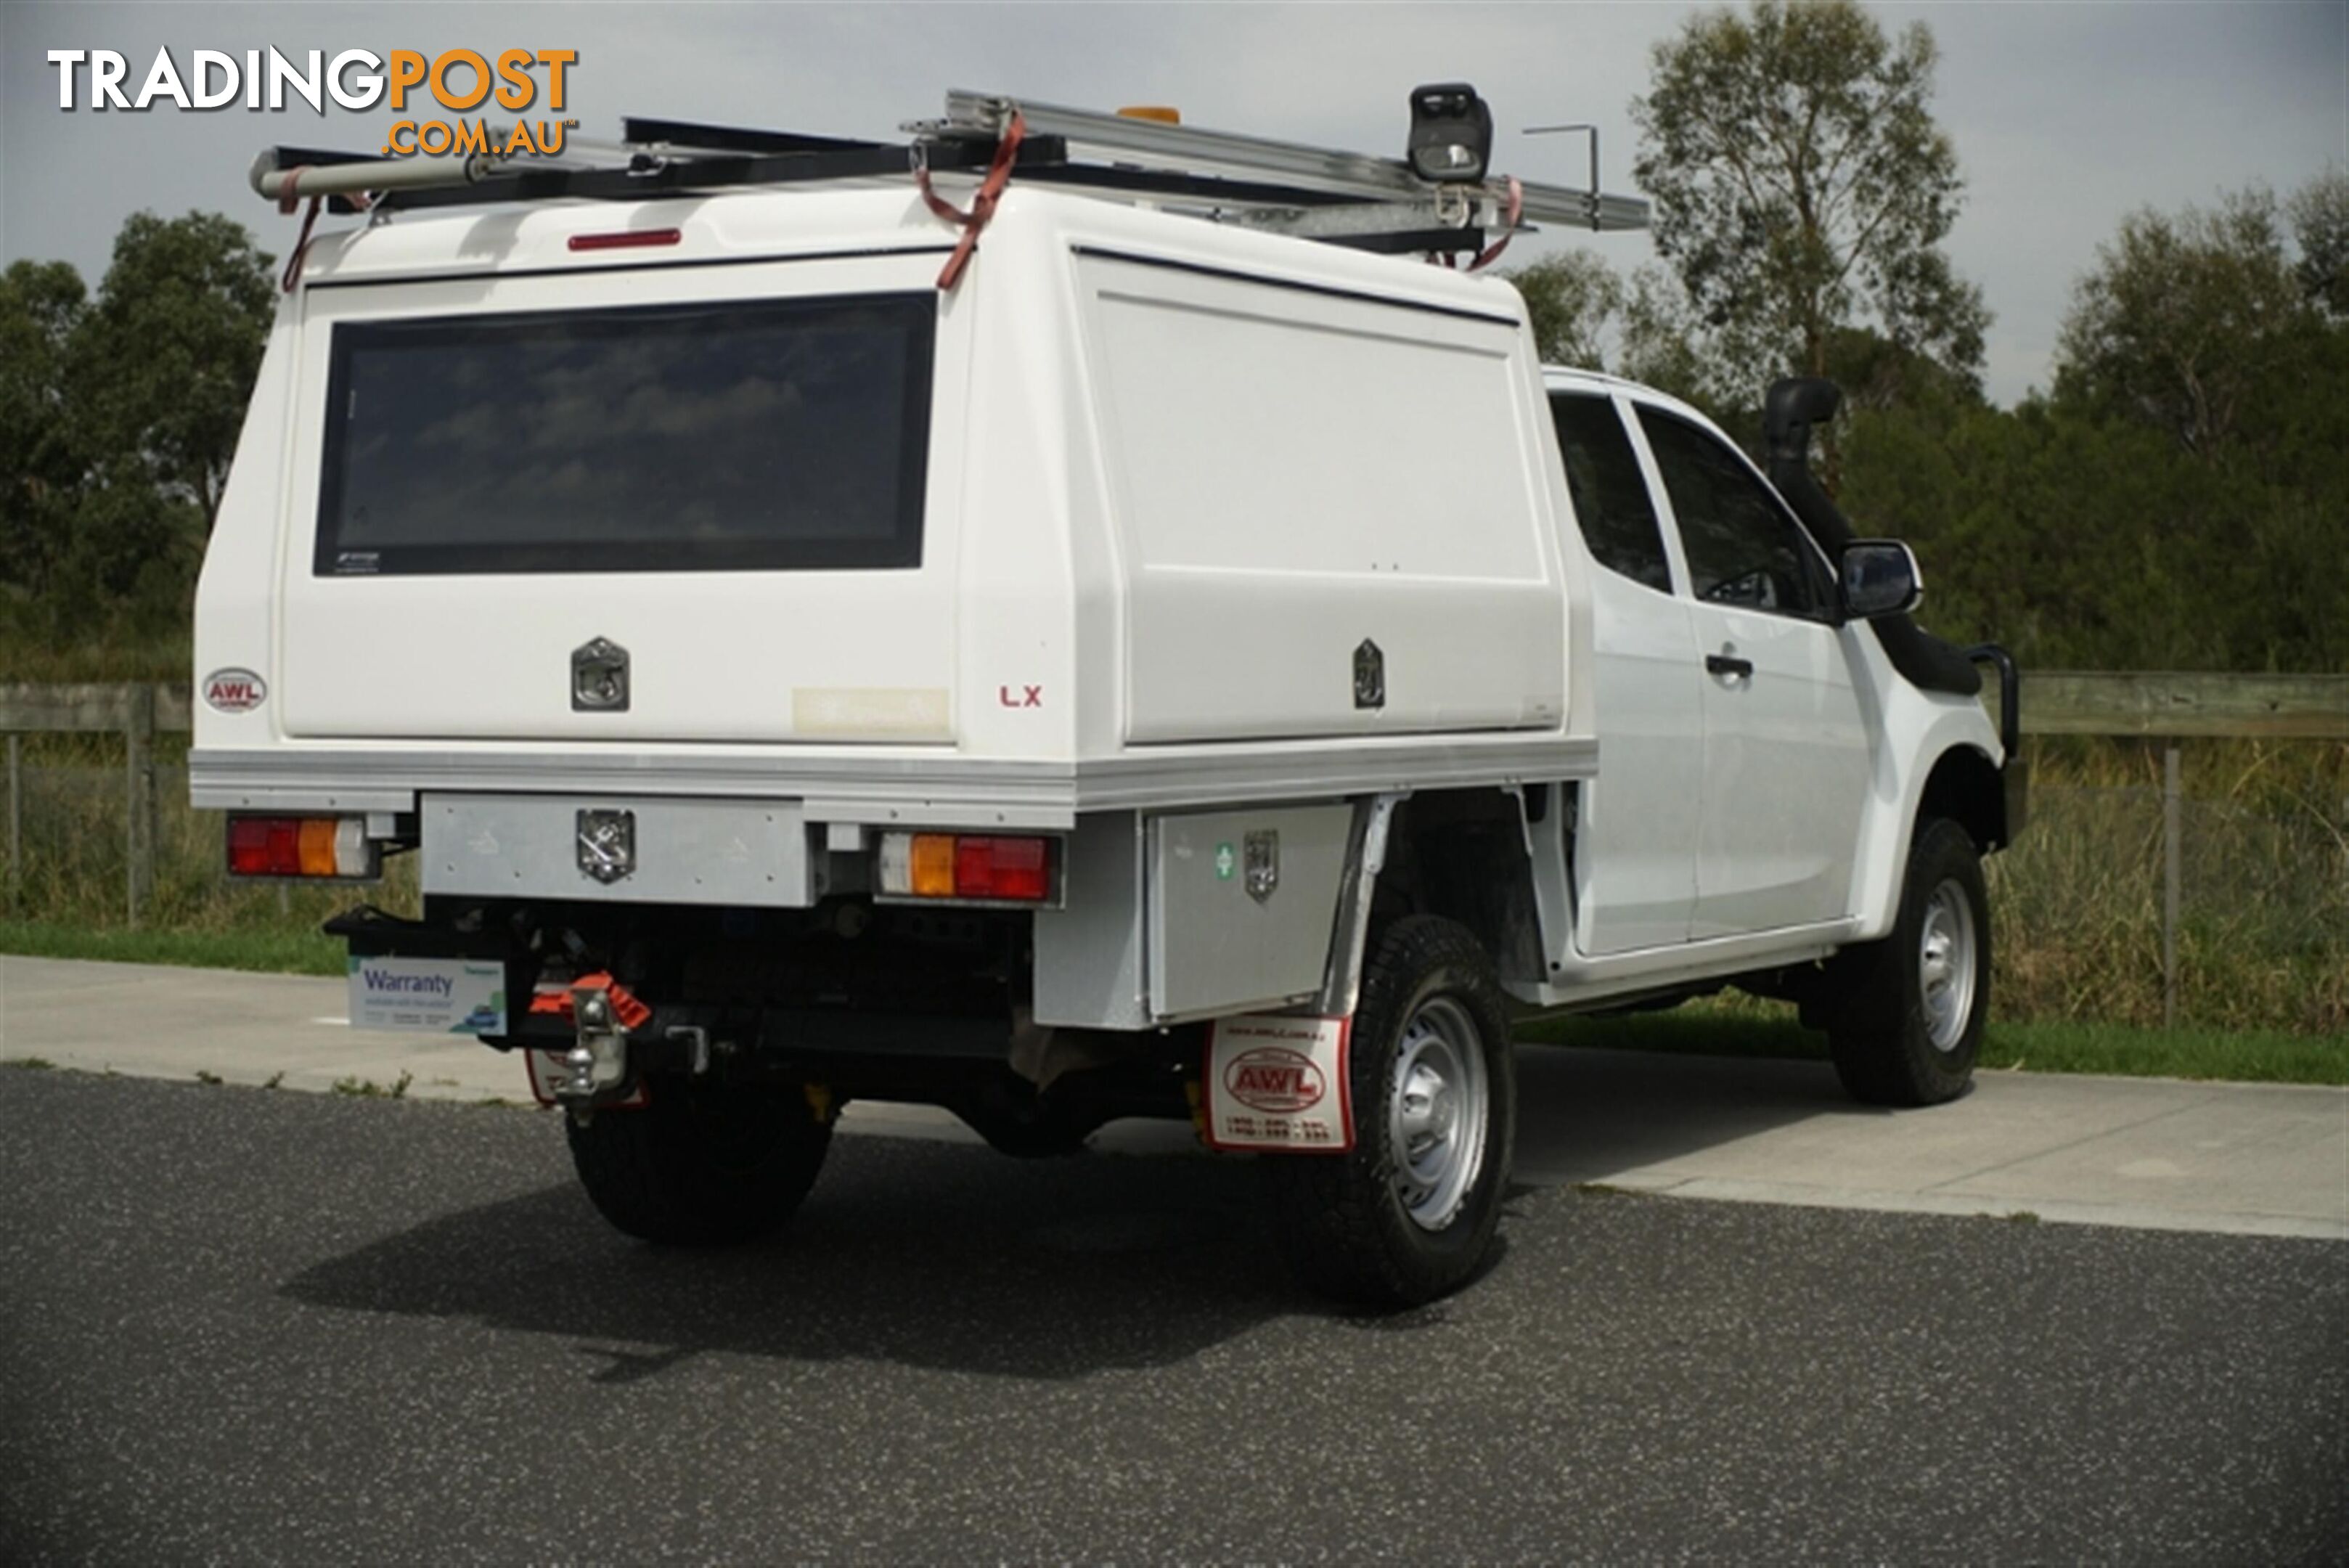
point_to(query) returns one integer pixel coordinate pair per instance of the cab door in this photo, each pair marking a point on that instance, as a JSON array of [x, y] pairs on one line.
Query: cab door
[[1786, 769], [1636, 865]]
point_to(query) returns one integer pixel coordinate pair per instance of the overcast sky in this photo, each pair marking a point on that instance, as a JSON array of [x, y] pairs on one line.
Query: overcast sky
[[2066, 116]]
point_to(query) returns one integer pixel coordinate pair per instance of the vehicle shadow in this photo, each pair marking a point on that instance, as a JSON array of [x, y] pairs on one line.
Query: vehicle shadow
[[947, 1255], [920, 1252], [1595, 1115]]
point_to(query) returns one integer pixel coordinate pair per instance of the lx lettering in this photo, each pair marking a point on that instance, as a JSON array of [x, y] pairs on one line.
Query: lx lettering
[[1030, 697]]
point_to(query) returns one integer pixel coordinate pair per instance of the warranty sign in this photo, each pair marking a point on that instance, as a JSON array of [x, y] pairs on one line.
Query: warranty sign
[[429, 996], [1279, 1082]]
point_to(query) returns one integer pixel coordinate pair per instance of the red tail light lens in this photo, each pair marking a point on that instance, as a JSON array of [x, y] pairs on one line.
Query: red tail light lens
[[1002, 868], [265, 846]]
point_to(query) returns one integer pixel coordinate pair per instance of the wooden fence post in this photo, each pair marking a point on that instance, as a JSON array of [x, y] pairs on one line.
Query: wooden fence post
[[138, 825], [2171, 810], [151, 828], [17, 824]]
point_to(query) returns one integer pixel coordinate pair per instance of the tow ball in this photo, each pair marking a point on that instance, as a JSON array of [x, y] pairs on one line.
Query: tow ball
[[598, 1057], [602, 1011]]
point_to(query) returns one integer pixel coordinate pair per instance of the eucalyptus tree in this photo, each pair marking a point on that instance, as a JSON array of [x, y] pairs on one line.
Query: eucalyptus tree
[[1803, 189]]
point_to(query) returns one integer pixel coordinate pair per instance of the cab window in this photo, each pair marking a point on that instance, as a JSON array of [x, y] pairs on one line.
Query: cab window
[[1611, 496], [1744, 549]]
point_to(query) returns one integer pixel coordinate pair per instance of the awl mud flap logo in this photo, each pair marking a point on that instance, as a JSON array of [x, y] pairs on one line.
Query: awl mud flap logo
[[1275, 1079], [1279, 1082]]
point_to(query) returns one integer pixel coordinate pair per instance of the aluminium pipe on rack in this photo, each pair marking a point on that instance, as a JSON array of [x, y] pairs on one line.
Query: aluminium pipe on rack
[[372, 174]]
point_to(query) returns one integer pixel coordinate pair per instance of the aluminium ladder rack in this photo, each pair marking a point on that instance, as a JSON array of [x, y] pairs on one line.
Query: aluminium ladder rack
[[1354, 176], [1345, 198]]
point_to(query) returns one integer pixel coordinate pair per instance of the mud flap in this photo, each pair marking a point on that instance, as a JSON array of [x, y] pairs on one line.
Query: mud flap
[[1276, 1082]]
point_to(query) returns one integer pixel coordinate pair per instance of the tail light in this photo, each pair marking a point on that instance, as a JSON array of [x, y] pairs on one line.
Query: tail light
[[316, 847], [968, 867]]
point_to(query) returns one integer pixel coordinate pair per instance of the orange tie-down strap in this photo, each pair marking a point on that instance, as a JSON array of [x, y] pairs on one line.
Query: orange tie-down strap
[[288, 198], [553, 999], [982, 206]]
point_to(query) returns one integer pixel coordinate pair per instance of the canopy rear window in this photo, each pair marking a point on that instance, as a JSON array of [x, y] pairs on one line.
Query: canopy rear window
[[772, 435]]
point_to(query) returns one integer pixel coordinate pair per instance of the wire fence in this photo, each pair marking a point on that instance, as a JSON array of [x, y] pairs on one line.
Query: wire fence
[[2160, 881], [2253, 932]]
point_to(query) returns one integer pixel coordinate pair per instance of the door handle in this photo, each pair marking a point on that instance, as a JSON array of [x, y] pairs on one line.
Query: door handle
[[1728, 664]]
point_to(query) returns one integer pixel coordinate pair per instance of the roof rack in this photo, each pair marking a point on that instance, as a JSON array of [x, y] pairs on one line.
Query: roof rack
[[1345, 198]]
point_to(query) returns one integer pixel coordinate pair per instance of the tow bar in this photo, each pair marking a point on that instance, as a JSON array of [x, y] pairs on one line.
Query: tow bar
[[602, 1011]]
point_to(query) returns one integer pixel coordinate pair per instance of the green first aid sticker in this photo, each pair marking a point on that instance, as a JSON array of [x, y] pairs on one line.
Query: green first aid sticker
[[1226, 862]]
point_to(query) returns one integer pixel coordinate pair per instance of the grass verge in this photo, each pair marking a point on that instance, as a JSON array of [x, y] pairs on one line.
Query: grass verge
[[293, 952], [1744, 1029]]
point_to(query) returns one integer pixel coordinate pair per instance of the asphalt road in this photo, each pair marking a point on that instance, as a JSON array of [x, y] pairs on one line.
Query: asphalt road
[[262, 1327]]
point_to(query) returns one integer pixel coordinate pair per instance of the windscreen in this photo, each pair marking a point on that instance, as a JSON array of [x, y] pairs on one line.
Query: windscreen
[[778, 434]]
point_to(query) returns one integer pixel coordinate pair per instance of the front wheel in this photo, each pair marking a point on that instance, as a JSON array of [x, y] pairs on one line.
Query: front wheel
[[701, 1164], [1409, 1212], [1908, 1015]]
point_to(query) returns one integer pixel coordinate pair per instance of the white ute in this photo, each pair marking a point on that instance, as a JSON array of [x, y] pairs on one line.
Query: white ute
[[1184, 657]]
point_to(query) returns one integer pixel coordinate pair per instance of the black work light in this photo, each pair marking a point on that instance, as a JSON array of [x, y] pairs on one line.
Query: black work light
[[1451, 134]]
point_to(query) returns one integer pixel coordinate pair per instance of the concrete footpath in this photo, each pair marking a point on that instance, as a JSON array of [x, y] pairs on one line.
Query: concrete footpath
[[2248, 1158]]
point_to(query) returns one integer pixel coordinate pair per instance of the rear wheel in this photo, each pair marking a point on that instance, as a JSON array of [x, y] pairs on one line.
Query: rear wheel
[[1907, 1013], [701, 1164], [1409, 1212]]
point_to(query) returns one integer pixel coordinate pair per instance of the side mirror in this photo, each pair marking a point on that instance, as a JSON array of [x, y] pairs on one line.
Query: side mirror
[[1879, 578]]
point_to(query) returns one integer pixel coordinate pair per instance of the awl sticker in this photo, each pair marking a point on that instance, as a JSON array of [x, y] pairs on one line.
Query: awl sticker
[[1279, 1082]]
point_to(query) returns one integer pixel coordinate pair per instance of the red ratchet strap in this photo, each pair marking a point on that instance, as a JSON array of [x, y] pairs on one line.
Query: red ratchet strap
[[288, 200], [554, 998], [1491, 252], [982, 206]]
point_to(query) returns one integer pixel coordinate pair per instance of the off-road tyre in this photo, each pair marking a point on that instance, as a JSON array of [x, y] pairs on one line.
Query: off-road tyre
[[702, 1165], [1883, 1004], [1343, 1220]]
